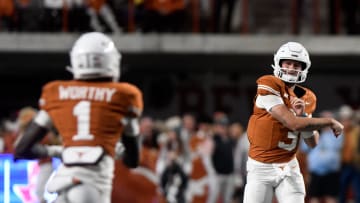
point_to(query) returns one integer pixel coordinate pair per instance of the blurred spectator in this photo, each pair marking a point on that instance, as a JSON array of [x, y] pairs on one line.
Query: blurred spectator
[[10, 132], [221, 9], [205, 125], [240, 157], [223, 159], [352, 17], [65, 15], [149, 134], [8, 138], [171, 136], [24, 118], [164, 16], [29, 15], [100, 9], [7, 15], [52, 19], [173, 180], [78, 20], [173, 122], [357, 149], [186, 131], [198, 148], [350, 173], [332, 9], [324, 165]]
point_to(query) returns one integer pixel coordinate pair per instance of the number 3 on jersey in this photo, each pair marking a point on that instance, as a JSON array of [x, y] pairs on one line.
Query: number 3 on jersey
[[82, 113], [289, 147]]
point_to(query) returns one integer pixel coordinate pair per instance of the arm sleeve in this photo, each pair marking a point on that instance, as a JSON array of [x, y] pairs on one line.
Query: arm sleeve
[[268, 92], [132, 151], [268, 101], [27, 146]]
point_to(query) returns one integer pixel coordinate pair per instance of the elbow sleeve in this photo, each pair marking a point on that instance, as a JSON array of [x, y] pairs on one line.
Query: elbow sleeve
[[27, 145], [132, 153]]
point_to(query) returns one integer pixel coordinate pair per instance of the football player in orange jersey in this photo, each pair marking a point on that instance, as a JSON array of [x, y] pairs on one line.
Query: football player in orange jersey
[[92, 113], [277, 123]]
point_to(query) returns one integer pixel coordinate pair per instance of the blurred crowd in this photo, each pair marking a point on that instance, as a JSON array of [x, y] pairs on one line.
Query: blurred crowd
[[208, 16], [111, 16], [194, 158]]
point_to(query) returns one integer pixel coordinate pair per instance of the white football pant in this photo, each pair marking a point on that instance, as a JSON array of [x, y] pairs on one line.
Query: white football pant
[[95, 186], [264, 180], [80, 194]]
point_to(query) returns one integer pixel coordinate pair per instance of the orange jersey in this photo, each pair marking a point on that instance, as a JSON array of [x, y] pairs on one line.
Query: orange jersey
[[128, 184], [310, 101], [199, 170], [270, 141], [89, 113], [7, 8], [96, 4], [165, 6]]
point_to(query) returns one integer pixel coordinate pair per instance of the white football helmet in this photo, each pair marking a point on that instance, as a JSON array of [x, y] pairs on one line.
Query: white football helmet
[[94, 55], [293, 51]]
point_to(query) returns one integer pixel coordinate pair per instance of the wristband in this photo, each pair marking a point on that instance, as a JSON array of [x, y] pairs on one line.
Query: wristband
[[307, 134], [304, 115]]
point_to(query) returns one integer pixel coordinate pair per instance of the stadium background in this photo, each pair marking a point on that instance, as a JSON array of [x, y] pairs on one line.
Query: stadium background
[[198, 70], [184, 72]]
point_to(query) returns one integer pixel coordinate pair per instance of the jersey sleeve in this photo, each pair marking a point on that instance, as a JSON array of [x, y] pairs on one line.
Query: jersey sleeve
[[268, 85], [268, 92], [308, 96], [47, 95], [268, 101], [135, 103]]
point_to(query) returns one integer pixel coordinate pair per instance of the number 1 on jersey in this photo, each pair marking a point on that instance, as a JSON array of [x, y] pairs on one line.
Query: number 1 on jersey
[[82, 113]]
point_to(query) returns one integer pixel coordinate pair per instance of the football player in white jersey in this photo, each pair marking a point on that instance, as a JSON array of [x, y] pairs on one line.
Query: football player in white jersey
[[92, 113], [281, 116]]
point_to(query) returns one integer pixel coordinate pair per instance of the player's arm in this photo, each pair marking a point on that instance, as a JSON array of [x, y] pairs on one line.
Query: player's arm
[[130, 140], [311, 140], [295, 123], [28, 146], [276, 107], [131, 131]]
